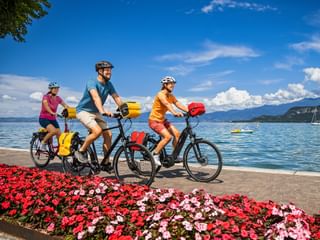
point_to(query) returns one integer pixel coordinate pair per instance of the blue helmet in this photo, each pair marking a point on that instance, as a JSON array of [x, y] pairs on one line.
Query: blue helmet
[[53, 85]]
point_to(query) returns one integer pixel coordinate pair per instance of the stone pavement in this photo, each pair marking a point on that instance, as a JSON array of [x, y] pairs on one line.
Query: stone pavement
[[300, 188]]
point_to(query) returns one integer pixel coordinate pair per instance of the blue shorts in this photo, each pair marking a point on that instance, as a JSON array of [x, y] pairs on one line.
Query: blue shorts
[[45, 122]]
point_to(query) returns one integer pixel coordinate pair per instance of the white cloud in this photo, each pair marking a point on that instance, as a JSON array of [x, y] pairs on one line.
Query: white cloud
[[294, 92], [220, 5], [213, 51], [202, 87], [72, 99], [312, 45], [288, 63], [7, 97], [27, 93], [312, 74], [36, 96], [180, 70], [313, 19]]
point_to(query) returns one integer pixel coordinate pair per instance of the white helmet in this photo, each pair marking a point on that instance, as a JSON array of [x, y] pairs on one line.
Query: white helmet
[[168, 79]]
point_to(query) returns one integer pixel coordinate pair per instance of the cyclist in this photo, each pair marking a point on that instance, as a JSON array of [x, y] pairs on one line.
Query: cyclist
[[163, 102], [90, 110], [48, 114]]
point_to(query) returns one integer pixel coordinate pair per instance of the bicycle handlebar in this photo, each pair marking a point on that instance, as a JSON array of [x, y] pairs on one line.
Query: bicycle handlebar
[[114, 115]]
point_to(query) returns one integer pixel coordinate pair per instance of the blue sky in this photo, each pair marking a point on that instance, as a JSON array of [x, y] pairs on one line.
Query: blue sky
[[227, 54]]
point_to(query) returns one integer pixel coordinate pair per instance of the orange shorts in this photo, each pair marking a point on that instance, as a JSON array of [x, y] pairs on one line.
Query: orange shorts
[[159, 126]]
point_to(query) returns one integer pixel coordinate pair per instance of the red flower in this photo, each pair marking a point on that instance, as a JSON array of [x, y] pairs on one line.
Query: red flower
[[5, 205]]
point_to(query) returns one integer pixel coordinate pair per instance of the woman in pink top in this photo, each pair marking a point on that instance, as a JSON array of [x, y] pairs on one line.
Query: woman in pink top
[[48, 114]]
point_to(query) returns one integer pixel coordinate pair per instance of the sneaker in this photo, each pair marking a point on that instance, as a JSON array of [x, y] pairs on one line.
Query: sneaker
[[82, 157], [156, 158], [43, 147], [107, 167]]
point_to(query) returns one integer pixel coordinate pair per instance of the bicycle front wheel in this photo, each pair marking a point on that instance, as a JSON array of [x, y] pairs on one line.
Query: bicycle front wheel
[[134, 164], [202, 160], [39, 157]]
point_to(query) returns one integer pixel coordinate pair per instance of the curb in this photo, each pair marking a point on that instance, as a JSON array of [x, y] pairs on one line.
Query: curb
[[24, 233]]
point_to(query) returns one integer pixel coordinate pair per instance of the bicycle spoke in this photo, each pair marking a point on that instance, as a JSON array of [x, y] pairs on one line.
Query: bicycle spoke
[[203, 161], [134, 166], [39, 157]]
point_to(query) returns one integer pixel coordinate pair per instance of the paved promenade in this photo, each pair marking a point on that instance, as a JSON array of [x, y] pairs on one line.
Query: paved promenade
[[300, 188]]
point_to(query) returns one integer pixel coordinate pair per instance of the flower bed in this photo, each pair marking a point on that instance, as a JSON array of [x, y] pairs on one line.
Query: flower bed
[[99, 208]]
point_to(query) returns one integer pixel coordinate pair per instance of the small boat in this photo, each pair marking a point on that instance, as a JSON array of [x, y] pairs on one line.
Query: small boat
[[241, 130], [315, 120]]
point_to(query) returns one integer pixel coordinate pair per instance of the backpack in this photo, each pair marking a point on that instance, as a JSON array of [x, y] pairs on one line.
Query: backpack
[[196, 109], [67, 143], [140, 138]]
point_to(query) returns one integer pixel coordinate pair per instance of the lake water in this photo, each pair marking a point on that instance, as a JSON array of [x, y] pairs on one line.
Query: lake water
[[289, 146]]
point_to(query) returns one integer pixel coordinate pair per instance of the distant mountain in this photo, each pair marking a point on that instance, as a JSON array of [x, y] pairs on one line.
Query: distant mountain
[[248, 114], [295, 114], [19, 119]]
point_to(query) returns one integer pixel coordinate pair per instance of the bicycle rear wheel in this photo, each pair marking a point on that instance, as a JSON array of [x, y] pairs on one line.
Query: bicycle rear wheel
[[71, 164], [134, 164], [202, 160], [39, 157]]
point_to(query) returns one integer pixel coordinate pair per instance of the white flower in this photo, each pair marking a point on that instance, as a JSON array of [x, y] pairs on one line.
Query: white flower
[[109, 229], [91, 229]]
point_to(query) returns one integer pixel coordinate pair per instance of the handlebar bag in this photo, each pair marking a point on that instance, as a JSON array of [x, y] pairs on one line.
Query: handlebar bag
[[69, 112], [130, 109], [66, 143], [140, 138], [196, 109]]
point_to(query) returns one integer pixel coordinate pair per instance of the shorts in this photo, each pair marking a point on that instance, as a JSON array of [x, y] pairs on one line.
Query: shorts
[[90, 120], [159, 126], [45, 122]]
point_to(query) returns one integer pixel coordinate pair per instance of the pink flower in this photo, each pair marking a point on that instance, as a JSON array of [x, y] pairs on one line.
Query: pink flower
[[109, 229], [50, 228]]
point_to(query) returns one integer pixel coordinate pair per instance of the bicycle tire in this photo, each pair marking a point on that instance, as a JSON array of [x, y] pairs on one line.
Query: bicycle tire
[[207, 167], [71, 165], [39, 157], [134, 166]]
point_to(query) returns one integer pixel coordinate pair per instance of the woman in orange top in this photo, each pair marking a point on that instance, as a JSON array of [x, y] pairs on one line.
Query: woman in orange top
[[157, 121]]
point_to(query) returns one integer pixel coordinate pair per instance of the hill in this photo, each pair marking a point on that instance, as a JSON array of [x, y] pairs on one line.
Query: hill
[[295, 114]]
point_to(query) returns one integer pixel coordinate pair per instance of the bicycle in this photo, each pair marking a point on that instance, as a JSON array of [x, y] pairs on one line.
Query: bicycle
[[132, 162], [201, 158], [42, 158]]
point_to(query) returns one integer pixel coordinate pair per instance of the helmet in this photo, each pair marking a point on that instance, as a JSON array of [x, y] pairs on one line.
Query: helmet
[[53, 85], [103, 64], [168, 79]]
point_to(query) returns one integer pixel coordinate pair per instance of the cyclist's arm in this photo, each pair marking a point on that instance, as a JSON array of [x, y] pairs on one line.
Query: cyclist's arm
[[46, 106], [117, 99], [165, 102], [181, 106], [64, 104], [97, 100]]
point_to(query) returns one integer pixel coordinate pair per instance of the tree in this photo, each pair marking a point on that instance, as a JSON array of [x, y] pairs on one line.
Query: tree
[[15, 15]]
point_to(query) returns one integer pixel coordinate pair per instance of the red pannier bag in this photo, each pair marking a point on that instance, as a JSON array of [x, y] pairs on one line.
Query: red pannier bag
[[138, 137], [196, 109]]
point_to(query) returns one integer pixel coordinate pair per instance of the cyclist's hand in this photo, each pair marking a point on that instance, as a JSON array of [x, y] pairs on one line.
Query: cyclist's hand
[[178, 114], [54, 114], [108, 114]]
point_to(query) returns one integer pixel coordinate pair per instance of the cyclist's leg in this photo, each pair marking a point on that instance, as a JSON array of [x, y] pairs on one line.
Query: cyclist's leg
[[174, 132], [160, 128], [107, 138], [88, 120], [52, 127]]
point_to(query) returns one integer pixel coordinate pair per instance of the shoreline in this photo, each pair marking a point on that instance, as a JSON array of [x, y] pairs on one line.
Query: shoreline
[[230, 168]]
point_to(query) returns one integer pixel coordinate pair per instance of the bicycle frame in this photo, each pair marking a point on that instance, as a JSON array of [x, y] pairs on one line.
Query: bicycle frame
[[187, 131], [121, 136]]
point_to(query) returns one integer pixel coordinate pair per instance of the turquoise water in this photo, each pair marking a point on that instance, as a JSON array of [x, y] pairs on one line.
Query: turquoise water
[[290, 146]]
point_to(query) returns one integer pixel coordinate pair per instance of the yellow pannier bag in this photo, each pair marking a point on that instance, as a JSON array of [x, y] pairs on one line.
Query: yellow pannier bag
[[130, 109], [66, 141], [69, 112]]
